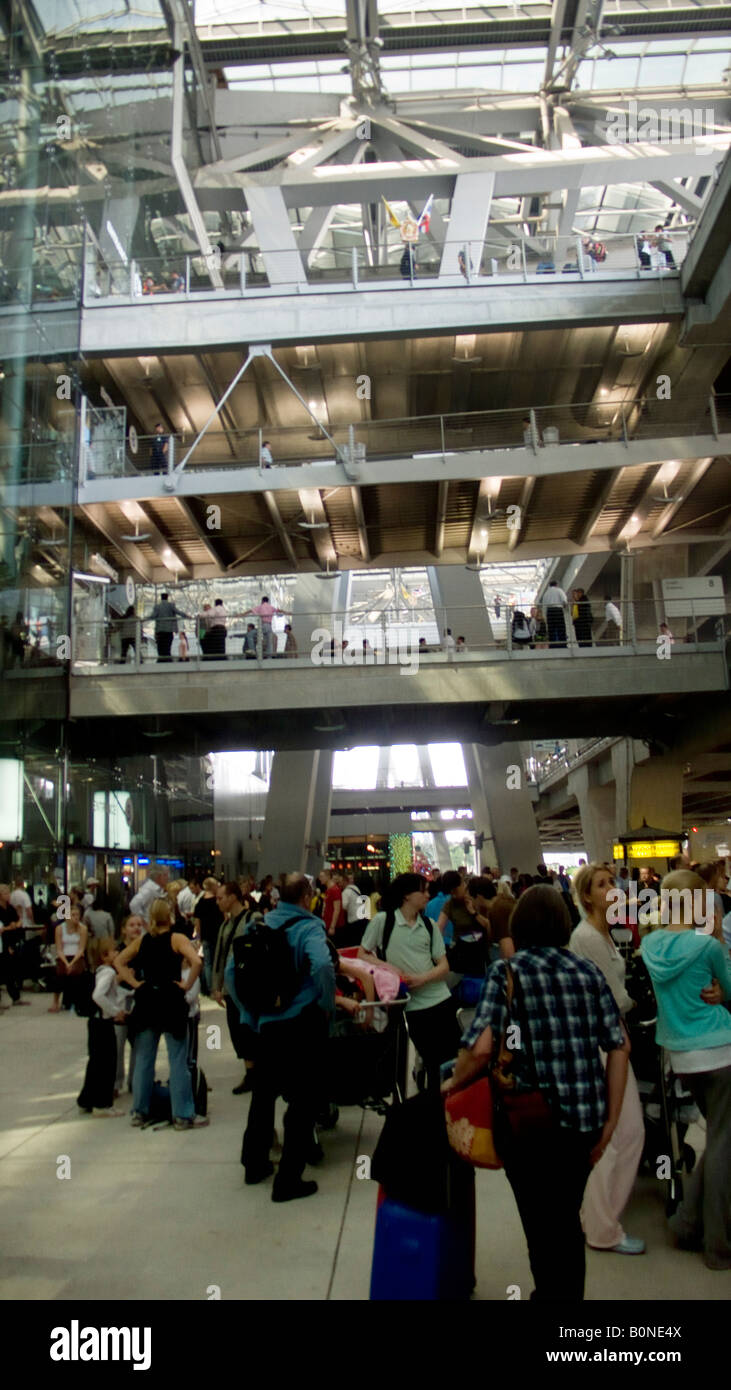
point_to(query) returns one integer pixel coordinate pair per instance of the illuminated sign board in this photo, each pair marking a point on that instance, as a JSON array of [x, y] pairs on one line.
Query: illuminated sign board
[[649, 849]]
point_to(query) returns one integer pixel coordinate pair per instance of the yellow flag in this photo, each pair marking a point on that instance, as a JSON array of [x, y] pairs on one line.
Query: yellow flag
[[394, 220]]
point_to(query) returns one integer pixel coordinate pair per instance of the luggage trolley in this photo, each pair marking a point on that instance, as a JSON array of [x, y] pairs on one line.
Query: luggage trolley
[[667, 1108], [366, 1059]]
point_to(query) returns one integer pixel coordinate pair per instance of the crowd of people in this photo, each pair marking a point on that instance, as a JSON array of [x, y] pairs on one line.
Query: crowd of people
[[288, 959]]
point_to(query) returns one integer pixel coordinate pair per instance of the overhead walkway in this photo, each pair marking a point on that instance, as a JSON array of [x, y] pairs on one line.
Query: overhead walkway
[[291, 703], [565, 438], [388, 307]]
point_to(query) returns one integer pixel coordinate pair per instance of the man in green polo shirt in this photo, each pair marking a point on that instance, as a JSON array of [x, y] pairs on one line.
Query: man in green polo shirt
[[415, 947]]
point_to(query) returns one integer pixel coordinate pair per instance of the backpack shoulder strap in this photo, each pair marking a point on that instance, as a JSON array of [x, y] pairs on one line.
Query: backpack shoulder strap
[[429, 927], [388, 927]]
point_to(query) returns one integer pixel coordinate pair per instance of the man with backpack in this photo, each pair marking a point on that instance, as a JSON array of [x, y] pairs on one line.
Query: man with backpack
[[282, 977], [236, 917]]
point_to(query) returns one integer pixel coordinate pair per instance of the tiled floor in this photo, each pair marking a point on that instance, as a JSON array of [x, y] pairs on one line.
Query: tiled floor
[[163, 1215]]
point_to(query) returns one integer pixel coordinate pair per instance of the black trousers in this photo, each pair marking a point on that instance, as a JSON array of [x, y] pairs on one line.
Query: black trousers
[[97, 1091], [11, 970], [290, 1063], [164, 642], [127, 643], [436, 1037], [549, 1191], [243, 1039]]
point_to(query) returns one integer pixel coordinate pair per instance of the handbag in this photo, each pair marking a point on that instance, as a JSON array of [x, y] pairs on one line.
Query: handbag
[[469, 1115], [519, 1114]]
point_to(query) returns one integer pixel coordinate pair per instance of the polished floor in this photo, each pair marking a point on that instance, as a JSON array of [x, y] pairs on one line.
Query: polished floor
[[165, 1215]]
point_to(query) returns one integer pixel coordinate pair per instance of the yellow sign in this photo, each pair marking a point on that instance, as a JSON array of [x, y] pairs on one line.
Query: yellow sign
[[653, 849], [617, 851]]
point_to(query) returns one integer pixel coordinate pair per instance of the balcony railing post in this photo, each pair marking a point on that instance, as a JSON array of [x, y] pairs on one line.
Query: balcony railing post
[[533, 430], [187, 277], [624, 426], [242, 273], [441, 433], [523, 260], [580, 257], [354, 266], [171, 454], [508, 629]]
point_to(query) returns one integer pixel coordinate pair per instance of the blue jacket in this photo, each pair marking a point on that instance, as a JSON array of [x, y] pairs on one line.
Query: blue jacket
[[312, 959], [681, 964]]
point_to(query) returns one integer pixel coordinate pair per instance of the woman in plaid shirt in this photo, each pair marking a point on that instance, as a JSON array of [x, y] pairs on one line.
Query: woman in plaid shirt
[[566, 1008]]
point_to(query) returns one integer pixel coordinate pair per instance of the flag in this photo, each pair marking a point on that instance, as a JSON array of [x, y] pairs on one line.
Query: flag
[[423, 223], [393, 219]]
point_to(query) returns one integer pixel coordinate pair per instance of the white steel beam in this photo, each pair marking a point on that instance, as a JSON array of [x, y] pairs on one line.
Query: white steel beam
[[606, 488], [470, 213], [285, 540], [518, 532], [440, 517], [275, 236], [357, 501], [698, 471]]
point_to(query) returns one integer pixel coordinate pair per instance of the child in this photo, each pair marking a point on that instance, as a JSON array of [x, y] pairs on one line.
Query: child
[[97, 1093]]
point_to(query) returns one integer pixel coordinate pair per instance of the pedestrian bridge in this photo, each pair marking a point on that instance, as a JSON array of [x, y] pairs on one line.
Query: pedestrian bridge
[[485, 696]]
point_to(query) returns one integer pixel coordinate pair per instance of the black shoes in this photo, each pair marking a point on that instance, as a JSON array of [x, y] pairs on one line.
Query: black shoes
[[258, 1175], [246, 1085], [290, 1194]]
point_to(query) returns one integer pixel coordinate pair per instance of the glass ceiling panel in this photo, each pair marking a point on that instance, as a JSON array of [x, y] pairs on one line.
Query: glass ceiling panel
[[60, 17]]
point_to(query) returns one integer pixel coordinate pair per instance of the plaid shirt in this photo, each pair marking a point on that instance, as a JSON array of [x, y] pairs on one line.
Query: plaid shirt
[[569, 1013]]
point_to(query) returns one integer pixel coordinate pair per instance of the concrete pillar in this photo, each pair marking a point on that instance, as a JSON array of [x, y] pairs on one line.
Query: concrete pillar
[[314, 604], [459, 603], [441, 845], [626, 595], [647, 789], [597, 811], [297, 813], [498, 789], [651, 567]]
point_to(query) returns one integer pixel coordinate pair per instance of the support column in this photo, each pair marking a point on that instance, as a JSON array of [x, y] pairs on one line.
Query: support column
[[273, 229], [297, 813], [597, 812], [459, 603], [507, 799], [626, 596], [647, 789]]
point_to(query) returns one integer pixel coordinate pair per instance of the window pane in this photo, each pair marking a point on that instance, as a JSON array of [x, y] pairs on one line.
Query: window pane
[[355, 769], [447, 764]]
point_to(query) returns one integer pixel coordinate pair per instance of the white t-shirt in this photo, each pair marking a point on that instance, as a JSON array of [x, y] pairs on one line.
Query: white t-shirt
[[23, 906], [448, 642], [357, 906], [554, 596], [612, 614], [142, 901]]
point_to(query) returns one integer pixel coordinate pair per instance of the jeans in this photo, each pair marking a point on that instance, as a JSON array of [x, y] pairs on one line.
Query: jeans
[[145, 1055], [289, 1063], [548, 1190], [208, 951]]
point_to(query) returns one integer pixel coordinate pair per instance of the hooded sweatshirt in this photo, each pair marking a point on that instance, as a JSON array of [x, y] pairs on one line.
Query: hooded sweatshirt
[[312, 959], [681, 964]]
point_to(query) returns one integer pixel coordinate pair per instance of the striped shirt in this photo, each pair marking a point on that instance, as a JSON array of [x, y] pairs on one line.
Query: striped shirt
[[569, 1014]]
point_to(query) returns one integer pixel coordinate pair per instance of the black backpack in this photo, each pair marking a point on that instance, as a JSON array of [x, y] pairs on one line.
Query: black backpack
[[388, 927], [267, 978]]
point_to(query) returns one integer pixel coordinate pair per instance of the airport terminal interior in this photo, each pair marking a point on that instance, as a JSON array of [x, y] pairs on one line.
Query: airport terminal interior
[[365, 487]]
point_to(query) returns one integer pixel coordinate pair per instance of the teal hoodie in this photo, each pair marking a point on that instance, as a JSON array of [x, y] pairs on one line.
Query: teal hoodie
[[681, 964]]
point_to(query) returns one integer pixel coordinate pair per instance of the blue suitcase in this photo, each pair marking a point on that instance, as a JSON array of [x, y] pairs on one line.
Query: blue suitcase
[[421, 1256]]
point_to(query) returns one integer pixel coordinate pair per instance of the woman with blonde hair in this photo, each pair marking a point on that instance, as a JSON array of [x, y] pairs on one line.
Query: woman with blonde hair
[[611, 1181], [161, 1008]]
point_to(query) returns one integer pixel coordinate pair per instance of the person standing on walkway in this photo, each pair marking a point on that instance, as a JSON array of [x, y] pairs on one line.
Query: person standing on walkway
[[165, 617], [160, 1008], [613, 619], [265, 611], [610, 1184], [555, 602], [160, 450], [582, 618], [217, 632], [11, 946], [290, 1046]]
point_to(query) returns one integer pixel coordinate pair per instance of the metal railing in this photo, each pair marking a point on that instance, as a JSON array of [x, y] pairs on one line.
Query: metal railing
[[252, 270], [537, 427], [337, 639]]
